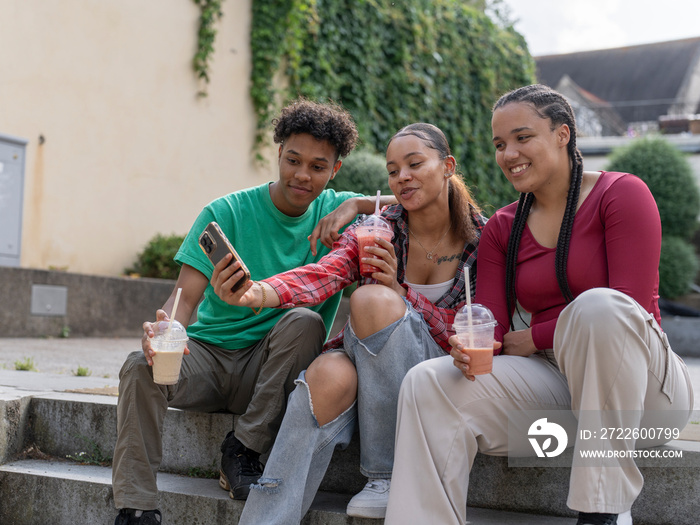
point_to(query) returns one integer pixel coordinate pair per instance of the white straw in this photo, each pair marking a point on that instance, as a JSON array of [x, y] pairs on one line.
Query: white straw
[[172, 314], [376, 206], [469, 307]]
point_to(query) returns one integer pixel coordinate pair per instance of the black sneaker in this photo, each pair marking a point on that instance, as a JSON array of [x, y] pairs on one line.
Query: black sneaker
[[593, 518], [149, 517], [240, 467]]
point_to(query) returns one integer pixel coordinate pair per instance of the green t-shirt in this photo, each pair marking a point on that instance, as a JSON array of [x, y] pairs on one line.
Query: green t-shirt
[[269, 242]]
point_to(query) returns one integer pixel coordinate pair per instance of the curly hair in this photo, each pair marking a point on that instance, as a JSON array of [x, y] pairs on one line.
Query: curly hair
[[462, 204], [323, 121]]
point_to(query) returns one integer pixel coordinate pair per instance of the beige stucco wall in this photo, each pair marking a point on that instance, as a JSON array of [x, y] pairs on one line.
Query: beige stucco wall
[[130, 150]]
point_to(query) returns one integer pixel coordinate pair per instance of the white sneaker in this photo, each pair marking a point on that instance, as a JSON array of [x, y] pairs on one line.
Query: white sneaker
[[371, 501], [625, 518]]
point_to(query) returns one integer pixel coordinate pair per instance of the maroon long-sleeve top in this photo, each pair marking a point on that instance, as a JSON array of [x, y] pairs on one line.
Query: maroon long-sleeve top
[[615, 243]]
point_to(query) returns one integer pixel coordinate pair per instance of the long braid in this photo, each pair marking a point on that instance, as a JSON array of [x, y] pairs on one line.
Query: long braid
[[553, 106], [516, 233], [567, 224]]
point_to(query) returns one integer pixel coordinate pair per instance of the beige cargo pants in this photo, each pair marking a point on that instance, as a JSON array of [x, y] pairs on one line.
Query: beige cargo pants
[[609, 355], [253, 382]]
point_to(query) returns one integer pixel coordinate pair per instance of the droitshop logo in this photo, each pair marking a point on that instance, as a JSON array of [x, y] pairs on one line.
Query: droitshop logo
[[540, 436]]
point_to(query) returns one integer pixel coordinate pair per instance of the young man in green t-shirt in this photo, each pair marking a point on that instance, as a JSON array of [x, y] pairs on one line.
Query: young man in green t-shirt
[[241, 361]]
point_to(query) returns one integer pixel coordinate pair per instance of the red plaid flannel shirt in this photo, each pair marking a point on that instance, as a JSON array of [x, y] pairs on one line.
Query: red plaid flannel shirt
[[314, 283]]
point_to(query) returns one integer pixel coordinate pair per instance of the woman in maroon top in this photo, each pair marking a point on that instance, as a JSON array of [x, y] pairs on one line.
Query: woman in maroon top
[[580, 252]]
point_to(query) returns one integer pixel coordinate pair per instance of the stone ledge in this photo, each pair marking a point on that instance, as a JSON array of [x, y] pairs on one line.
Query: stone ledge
[[37, 492], [683, 334], [96, 305], [54, 421], [669, 494]]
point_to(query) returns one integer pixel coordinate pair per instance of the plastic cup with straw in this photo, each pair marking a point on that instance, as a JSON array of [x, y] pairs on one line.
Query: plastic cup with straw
[[174, 311], [169, 343], [474, 326], [372, 227], [470, 314]]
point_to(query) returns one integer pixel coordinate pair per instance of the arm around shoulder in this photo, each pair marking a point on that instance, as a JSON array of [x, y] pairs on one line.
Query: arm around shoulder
[[328, 228]]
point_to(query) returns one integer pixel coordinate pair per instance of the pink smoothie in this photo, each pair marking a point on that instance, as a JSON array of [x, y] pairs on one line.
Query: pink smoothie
[[365, 237], [480, 360]]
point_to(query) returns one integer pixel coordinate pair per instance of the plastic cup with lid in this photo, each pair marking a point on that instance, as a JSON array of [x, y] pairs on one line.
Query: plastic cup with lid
[[169, 344], [368, 230], [474, 326]]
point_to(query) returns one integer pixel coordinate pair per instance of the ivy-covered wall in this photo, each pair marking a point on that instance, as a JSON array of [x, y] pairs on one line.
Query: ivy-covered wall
[[393, 63]]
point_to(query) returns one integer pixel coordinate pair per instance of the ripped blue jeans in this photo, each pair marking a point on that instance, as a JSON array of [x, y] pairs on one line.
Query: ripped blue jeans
[[303, 450]]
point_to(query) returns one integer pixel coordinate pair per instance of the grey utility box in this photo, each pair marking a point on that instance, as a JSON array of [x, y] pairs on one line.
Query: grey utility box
[[12, 157]]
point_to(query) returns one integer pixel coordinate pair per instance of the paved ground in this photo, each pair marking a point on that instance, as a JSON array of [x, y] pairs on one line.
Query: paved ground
[[102, 357]]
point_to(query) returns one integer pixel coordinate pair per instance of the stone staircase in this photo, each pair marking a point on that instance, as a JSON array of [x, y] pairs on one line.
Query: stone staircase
[[39, 485]]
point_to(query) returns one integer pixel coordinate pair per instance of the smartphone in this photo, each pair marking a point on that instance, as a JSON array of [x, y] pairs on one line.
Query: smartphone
[[215, 245]]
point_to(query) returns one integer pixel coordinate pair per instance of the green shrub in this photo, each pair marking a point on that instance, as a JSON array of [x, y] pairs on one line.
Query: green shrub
[[156, 260], [678, 267], [363, 172], [667, 172]]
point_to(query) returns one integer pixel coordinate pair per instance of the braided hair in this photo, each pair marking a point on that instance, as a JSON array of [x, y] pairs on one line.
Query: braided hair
[[548, 104]]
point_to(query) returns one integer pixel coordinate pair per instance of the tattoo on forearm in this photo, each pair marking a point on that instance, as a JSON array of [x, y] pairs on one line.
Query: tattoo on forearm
[[447, 258]]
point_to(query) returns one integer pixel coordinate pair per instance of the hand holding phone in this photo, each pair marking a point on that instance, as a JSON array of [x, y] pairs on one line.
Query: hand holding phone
[[216, 246]]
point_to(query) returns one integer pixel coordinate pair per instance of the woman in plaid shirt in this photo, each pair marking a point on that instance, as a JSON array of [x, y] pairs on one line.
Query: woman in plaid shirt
[[399, 317]]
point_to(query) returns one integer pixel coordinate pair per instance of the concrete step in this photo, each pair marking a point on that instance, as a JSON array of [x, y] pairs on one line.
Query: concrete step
[[34, 492], [669, 497], [66, 423]]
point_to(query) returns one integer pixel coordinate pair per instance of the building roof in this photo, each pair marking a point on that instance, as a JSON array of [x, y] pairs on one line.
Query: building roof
[[595, 117], [640, 82]]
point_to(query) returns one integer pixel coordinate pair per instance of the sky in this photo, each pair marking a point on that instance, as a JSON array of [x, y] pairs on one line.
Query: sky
[[565, 26]]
